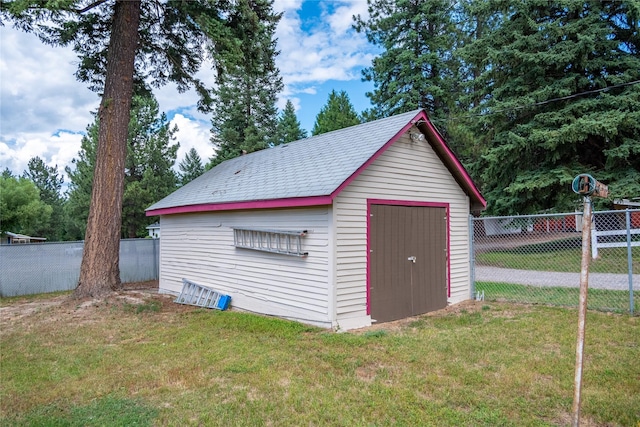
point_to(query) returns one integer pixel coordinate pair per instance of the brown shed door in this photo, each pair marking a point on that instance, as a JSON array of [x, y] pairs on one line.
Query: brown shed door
[[408, 261]]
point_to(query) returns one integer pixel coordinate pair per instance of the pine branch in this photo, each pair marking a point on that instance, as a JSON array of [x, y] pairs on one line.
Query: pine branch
[[89, 7], [43, 5]]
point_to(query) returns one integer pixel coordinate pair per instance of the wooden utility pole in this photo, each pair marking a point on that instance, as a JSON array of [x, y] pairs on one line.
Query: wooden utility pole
[[586, 186]]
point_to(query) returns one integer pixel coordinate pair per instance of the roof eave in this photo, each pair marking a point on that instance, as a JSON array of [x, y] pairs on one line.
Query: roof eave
[[294, 202], [457, 170]]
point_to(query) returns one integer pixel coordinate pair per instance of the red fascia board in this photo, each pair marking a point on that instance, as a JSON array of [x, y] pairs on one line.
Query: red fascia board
[[255, 204], [458, 169], [282, 203], [440, 146], [407, 203], [371, 159]]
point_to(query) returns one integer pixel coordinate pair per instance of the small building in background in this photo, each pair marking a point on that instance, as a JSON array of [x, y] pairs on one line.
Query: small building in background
[[154, 230], [9, 238], [633, 203]]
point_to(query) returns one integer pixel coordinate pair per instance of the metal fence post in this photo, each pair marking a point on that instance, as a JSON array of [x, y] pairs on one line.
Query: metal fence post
[[472, 258], [156, 257], [594, 242], [629, 260]]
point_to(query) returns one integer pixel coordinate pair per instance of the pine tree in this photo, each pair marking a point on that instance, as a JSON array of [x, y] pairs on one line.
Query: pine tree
[[49, 183], [148, 176], [338, 113], [288, 128], [562, 99], [245, 116], [121, 43], [80, 185], [418, 67], [190, 167], [528, 93]]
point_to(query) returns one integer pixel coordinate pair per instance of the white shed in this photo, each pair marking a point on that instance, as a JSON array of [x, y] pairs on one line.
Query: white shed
[[154, 230], [361, 225]]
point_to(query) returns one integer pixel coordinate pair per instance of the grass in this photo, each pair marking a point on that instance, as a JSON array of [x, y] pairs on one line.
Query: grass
[[597, 299], [560, 256], [105, 411], [478, 365]]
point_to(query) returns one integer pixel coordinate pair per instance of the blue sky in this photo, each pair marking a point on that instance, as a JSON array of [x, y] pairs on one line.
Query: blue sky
[[44, 110]]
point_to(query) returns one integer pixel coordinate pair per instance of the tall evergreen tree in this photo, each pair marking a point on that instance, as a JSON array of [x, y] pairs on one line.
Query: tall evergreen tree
[[288, 128], [190, 167], [244, 119], [562, 98], [528, 93], [338, 113], [120, 42], [418, 67], [80, 175], [49, 183], [148, 176]]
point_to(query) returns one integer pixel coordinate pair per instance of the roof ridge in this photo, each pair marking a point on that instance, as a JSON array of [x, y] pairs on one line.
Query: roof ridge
[[310, 170]]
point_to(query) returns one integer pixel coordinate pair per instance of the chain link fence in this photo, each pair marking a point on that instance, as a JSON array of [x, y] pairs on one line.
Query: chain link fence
[[27, 269], [537, 259]]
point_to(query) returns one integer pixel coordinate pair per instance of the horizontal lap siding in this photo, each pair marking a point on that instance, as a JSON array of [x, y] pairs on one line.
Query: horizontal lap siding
[[199, 247], [409, 171]]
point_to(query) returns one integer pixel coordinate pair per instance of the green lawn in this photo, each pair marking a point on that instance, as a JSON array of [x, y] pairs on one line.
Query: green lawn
[[156, 363], [597, 299], [561, 256]]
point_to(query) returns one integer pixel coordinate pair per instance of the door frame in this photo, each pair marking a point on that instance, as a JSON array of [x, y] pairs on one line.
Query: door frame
[[406, 203]]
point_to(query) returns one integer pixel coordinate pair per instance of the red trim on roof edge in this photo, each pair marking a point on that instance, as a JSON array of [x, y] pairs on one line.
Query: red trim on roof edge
[[257, 204], [460, 168], [372, 159], [327, 200], [422, 115]]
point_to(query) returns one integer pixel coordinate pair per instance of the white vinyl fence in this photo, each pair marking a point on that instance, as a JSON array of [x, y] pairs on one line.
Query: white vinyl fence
[[27, 269]]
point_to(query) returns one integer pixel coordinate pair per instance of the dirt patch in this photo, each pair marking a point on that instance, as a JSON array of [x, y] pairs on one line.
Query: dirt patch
[[21, 309], [150, 285], [63, 307], [566, 419], [469, 306]]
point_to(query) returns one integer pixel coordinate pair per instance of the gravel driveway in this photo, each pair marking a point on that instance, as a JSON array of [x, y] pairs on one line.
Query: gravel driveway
[[551, 278]]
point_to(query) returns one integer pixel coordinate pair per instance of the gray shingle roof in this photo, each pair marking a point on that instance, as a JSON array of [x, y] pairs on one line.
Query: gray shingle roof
[[314, 166]]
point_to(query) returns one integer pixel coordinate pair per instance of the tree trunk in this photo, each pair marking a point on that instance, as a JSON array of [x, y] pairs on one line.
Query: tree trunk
[[100, 271]]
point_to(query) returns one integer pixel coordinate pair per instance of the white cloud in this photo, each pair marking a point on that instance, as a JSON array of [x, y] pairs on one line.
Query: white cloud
[[341, 20], [192, 134], [330, 49], [38, 91], [44, 110], [54, 150]]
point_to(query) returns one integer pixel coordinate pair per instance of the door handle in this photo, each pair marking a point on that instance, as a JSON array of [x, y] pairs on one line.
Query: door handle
[[412, 259]]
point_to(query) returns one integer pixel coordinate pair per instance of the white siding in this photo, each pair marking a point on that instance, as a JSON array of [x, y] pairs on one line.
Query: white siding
[[199, 247], [408, 171]]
